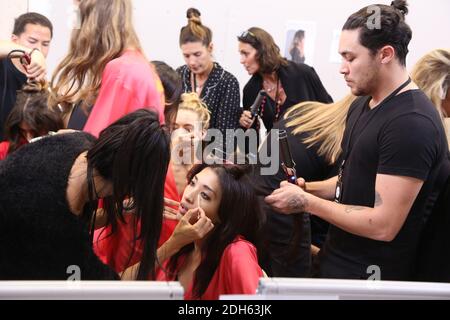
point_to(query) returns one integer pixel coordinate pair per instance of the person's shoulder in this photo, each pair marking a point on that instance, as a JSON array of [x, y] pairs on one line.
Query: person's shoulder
[[414, 103], [8, 67], [422, 102], [182, 70], [253, 84], [357, 104], [228, 76], [129, 63], [76, 140], [239, 248], [297, 69]]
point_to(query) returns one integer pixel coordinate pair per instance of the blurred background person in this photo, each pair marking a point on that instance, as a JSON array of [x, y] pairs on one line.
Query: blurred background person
[[105, 74], [173, 88], [32, 34], [297, 50], [432, 75], [30, 118]]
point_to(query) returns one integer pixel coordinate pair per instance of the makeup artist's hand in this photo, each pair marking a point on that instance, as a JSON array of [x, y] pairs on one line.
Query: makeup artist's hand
[[194, 225], [169, 212]]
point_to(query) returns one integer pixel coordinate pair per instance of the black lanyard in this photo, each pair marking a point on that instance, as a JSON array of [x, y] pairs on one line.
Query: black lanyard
[[349, 146], [195, 83]]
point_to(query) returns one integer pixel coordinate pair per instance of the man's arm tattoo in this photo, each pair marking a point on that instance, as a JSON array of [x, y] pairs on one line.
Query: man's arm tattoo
[[378, 200], [298, 203], [353, 208]]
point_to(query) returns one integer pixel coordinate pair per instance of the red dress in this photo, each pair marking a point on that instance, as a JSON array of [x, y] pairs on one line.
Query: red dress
[[129, 83], [115, 250], [238, 272], [4, 146]]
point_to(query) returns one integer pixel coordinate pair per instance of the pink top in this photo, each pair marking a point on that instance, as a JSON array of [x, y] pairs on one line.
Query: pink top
[[129, 83], [238, 272]]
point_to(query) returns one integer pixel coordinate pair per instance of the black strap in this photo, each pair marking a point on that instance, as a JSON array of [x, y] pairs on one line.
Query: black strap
[[195, 82], [349, 146]]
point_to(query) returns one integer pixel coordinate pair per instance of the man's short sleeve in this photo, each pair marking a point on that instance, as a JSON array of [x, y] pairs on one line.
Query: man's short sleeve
[[409, 146]]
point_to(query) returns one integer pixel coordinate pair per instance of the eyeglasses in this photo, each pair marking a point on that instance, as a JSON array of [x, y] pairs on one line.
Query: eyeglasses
[[248, 33]]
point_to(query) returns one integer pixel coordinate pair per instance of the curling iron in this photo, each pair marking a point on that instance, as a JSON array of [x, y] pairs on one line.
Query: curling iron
[[287, 163], [254, 108]]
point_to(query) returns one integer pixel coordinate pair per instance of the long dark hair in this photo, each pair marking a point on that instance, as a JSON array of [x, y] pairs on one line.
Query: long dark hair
[[239, 213], [133, 154], [31, 108], [268, 53]]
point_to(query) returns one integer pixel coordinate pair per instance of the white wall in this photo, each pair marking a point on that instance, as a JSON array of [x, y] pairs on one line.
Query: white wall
[[9, 10], [158, 25]]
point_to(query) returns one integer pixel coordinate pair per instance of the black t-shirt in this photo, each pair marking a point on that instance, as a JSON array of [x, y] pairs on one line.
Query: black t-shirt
[[404, 137], [8, 90]]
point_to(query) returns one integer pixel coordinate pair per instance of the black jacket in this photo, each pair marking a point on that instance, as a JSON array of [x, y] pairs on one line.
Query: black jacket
[[300, 82]]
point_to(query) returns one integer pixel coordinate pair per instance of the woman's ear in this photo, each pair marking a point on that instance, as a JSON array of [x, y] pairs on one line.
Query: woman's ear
[[211, 48], [204, 132]]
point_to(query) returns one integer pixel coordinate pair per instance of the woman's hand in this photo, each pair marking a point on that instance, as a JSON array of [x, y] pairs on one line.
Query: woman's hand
[[194, 225], [171, 213], [246, 120]]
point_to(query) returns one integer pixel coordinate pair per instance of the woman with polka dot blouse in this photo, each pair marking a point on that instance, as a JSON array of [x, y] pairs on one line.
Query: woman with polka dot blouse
[[217, 88]]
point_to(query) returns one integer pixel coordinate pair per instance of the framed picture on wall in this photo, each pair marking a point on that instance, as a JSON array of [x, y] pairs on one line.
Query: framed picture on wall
[[300, 41]]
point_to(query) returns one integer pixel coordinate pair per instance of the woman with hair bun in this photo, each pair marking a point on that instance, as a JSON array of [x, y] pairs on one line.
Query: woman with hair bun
[[226, 259], [218, 88]]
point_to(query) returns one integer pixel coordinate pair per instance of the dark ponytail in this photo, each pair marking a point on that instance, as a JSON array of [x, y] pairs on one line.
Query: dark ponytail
[[402, 6]]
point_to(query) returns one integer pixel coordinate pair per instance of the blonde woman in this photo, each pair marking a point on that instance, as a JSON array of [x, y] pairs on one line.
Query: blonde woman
[[432, 74], [315, 132], [120, 250], [105, 74]]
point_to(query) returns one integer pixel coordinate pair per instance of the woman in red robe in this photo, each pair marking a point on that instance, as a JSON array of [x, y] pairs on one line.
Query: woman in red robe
[[225, 261]]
